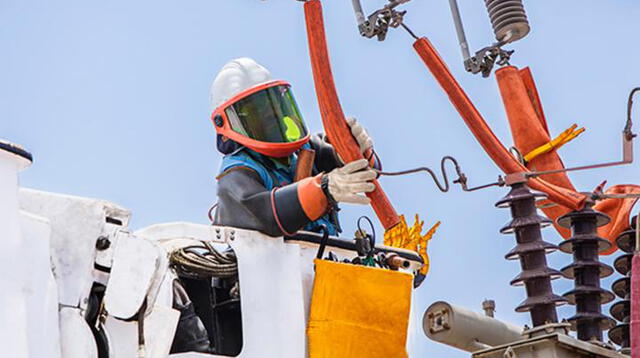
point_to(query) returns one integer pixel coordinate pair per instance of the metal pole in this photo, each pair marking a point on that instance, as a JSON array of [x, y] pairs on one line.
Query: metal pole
[[457, 20], [357, 8]]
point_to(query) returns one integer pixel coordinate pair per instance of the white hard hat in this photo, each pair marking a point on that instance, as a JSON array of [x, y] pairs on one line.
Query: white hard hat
[[236, 76]]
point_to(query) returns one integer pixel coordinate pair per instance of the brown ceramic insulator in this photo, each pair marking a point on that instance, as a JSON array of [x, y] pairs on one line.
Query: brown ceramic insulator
[[621, 310], [531, 250], [586, 271]]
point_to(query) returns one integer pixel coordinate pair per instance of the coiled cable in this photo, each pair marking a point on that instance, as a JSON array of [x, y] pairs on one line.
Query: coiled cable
[[200, 262]]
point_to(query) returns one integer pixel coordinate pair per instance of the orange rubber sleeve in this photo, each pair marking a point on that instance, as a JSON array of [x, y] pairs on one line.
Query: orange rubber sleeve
[[529, 131], [333, 118], [311, 197], [532, 91], [527, 128], [481, 130]]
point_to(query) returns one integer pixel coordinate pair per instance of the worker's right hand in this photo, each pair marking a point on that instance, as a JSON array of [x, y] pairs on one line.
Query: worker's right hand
[[348, 183]]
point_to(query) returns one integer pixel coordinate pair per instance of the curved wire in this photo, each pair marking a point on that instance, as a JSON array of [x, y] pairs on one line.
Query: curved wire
[[323, 241], [373, 230], [516, 154], [462, 178], [210, 212], [411, 33]]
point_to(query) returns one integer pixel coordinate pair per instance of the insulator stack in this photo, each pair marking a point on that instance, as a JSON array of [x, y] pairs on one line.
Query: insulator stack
[[586, 271], [536, 276], [508, 19], [621, 310]]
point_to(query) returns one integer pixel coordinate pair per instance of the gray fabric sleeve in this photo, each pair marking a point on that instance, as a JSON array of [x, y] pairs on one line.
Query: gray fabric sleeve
[[244, 202], [326, 157]]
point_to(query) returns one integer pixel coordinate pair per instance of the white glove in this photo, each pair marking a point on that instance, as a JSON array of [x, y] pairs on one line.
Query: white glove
[[347, 184], [360, 134]]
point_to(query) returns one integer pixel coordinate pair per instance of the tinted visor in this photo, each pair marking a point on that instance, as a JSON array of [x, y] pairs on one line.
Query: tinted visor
[[270, 115]]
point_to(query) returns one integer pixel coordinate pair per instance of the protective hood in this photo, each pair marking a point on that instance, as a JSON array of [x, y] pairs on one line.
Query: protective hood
[[264, 118]]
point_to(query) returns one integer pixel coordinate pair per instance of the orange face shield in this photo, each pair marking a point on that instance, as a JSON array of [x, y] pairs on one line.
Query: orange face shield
[[264, 118]]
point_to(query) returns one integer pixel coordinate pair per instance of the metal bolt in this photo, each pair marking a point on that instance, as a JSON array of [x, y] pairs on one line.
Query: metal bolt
[[218, 120], [103, 243], [489, 307]]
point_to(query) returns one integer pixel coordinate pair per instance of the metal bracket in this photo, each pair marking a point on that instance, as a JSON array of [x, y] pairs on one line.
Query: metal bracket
[[627, 158], [379, 22], [485, 59], [510, 353], [439, 321]]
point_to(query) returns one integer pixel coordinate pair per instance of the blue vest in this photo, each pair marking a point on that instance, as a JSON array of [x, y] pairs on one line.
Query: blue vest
[[274, 174]]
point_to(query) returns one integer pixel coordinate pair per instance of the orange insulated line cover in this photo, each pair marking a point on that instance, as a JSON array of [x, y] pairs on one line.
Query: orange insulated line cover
[[529, 130], [485, 136], [333, 118]]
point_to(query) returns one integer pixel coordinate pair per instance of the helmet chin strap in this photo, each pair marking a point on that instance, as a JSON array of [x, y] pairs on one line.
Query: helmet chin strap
[[227, 146]]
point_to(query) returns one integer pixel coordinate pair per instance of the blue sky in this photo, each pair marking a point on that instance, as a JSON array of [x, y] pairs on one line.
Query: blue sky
[[112, 99]]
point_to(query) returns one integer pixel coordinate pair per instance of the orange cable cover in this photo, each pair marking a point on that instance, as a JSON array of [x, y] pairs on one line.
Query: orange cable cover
[[529, 131], [480, 129], [331, 112]]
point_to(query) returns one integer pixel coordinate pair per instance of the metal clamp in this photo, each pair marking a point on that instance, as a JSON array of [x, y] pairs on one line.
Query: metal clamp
[[485, 59], [379, 22]]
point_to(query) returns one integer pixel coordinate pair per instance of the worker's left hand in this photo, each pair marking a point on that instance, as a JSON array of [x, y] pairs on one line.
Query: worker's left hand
[[360, 134]]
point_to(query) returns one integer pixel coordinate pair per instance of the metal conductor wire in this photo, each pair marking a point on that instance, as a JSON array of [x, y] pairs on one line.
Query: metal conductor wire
[[204, 262], [462, 178], [627, 128], [404, 26]]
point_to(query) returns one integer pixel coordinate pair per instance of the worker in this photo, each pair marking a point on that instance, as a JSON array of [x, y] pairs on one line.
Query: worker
[[261, 133]]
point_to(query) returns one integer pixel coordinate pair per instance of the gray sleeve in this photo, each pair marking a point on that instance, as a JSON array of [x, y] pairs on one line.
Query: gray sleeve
[[326, 156], [244, 202]]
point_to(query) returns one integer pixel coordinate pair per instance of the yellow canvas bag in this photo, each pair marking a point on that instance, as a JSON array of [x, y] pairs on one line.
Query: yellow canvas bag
[[358, 311]]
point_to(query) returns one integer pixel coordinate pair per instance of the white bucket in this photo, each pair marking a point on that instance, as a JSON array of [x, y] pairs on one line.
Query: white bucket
[[13, 263]]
